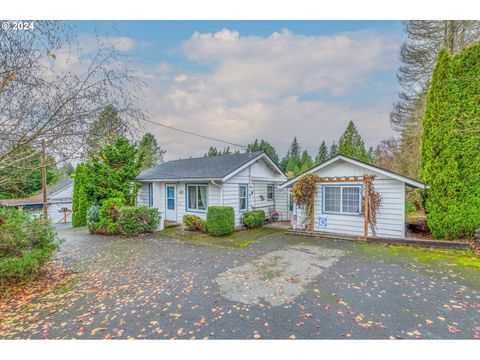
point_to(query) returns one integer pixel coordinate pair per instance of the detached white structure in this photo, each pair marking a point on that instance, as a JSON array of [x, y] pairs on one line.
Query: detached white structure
[[59, 201], [338, 205], [246, 181]]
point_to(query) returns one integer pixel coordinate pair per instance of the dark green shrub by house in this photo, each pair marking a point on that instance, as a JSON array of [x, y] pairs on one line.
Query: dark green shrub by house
[[253, 219], [25, 244], [108, 216], [194, 223], [80, 203], [450, 161], [220, 220], [135, 220]]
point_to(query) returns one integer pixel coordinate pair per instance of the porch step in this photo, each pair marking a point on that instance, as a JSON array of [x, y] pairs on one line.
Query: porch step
[[440, 244]]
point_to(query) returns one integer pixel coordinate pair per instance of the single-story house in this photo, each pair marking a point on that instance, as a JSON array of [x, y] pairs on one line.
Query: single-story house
[[59, 200], [244, 181], [338, 200]]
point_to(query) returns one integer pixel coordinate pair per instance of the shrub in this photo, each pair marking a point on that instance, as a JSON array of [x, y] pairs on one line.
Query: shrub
[[253, 219], [93, 218], [220, 220], [25, 244], [194, 223], [108, 216], [138, 220], [79, 199]]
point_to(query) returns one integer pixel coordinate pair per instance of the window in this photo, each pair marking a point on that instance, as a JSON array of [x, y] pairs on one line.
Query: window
[[170, 197], [150, 194], [243, 197], [197, 197], [270, 192], [341, 199]]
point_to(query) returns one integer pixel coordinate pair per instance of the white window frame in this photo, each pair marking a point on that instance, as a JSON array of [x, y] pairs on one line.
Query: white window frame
[[241, 197], [197, 186], [270, 192], [342, 187]]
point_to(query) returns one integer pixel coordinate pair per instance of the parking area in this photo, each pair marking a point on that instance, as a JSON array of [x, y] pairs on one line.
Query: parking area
[[279, 287]]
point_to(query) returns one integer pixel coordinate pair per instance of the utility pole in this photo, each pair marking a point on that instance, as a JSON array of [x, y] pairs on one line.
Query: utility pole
[[44, 182]]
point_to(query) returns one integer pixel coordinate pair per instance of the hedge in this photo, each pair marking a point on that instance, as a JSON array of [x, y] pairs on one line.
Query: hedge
[[253, 219], [138, 220], [108, 216], [194, 223], [220, 220]]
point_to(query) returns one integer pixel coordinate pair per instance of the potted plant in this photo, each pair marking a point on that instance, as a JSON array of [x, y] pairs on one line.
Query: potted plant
[[276, 216]]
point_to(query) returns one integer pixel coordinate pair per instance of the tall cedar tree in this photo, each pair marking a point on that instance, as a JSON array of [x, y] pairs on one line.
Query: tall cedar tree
[[450, 145], [351, 144], [322, 154], [80, 202], [306, 161], [150, 150]]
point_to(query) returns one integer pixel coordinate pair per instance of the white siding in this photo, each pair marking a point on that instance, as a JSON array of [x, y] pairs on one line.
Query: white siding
[[282, 203], [142, 195], [391, 215], [213, 196]]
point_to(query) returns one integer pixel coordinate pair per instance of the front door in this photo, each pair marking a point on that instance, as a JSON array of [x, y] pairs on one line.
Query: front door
[[171, 206]]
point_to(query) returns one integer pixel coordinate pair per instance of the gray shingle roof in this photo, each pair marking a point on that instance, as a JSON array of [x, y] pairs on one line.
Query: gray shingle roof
[[214, 167]]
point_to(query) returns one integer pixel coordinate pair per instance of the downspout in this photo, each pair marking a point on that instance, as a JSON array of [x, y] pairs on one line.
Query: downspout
[[221, 191]]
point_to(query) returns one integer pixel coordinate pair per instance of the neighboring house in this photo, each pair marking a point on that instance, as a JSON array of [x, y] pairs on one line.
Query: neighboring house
[[243, 181], [338, 205], [59, 199]]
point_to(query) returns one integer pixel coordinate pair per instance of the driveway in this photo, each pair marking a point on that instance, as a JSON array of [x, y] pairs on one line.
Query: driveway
[[281, 287]]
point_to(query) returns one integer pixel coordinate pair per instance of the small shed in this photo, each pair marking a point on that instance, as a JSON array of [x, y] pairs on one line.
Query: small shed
[[339, 201]]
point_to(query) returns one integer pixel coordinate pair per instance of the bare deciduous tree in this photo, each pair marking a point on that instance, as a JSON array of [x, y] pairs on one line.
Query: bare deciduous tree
[[51, 88]]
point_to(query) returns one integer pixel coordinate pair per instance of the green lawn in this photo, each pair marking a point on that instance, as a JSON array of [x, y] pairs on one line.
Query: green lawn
[[238, 239]]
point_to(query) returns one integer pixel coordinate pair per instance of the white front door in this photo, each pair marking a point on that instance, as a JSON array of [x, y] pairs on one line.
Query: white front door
[[171, 199]]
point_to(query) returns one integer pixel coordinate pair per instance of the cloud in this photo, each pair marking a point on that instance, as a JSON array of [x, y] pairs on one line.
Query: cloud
[[253, 88]]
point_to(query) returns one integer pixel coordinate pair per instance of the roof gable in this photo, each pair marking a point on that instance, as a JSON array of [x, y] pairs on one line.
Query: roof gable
[[387, 173]]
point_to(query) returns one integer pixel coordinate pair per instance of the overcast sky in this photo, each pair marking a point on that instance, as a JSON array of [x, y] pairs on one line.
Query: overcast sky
[[273, 79]]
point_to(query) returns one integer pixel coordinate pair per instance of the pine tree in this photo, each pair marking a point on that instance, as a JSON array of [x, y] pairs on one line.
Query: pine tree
[[293, 153], [305, 161], [264, 146], [333, 150], [351, 143], [292, 166], [322, 154]]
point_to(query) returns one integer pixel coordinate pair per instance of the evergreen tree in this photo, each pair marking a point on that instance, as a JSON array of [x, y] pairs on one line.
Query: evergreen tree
[[333, 150], [351, 143], [305, 161], [323, 154], [450, 164], [213, 151], [104, 130], [112, 172], [264, 146], [292, 166], [293, 153], [150, 150], [80, 202]]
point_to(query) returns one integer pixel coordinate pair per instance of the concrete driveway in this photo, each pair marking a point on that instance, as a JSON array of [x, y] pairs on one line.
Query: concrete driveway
[[281, 287]]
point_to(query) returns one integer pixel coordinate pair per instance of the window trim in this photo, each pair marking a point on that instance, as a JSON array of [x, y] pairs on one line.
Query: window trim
[[246, 198], [272, 192], [342, 186], [150, 194], [187, 201]]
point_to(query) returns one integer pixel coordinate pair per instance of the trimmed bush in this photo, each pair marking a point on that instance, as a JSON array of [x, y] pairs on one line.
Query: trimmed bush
[[194, 223], [220, 220], [138, 220], [93, 218], [79, 199], [108, 216], [25, 244], [253, 219]]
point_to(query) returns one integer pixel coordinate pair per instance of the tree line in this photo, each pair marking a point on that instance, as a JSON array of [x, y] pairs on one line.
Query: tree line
[[296, 161]]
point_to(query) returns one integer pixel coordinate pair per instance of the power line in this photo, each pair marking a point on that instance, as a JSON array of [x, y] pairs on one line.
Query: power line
[[195, 134]]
